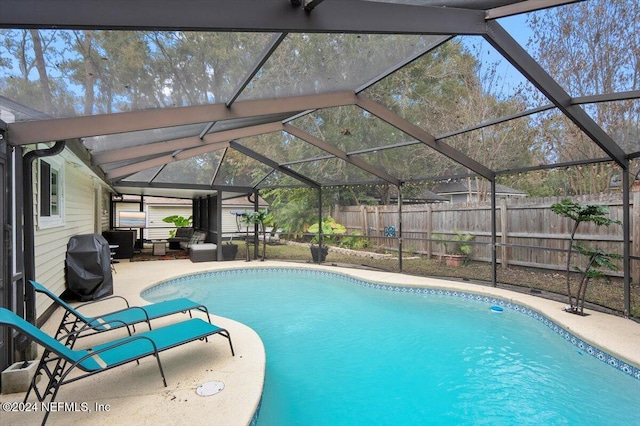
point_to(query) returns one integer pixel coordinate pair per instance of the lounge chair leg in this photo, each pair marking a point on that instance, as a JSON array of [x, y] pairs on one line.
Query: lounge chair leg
[[164, 380], [226, 334]]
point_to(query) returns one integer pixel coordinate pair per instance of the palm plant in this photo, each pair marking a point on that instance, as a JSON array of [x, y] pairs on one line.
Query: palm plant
[[260, 217], [580, 213]]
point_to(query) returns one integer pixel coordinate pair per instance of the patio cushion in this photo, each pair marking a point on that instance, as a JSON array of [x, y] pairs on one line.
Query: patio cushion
[[203, 252], [184, 233], [198, 237]]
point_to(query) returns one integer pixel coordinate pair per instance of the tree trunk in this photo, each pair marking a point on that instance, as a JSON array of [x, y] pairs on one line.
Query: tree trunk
[[42, 72], [573, 233], [85, 45]]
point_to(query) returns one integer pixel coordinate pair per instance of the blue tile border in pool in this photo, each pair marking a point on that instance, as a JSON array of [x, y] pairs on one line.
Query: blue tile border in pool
[[586, 347]]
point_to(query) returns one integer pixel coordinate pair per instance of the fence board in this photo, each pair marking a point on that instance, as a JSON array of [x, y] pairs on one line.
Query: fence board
[[529, 233]]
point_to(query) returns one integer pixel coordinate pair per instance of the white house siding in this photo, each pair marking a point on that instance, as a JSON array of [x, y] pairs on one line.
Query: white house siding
[[156, 228], [462, 198], [79, 218], [229, 225]]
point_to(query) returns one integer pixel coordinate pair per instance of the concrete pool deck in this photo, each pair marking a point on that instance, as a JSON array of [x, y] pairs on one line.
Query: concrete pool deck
[[134, 394]]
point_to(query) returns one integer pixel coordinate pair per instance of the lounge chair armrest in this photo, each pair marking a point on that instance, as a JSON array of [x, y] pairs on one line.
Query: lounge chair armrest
[[93, 302], [94, 327], [147, 319]]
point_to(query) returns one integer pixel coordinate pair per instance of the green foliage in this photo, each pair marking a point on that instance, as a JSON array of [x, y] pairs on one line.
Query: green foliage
[[260, 217], [295, 208], [598, 259], [178, 221], [330, 230], [457, 245], [354, 241], [583, 212]]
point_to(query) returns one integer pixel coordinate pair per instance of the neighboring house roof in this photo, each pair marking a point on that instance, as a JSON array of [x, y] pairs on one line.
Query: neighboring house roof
[[461, 187], [423, 196], [18, 112], [616, 180], [243, 202]]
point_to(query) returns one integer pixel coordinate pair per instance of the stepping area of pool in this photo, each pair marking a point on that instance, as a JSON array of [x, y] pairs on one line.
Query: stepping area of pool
[[134, 394]]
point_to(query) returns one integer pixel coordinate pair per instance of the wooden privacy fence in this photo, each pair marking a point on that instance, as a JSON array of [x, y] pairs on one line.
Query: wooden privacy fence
[[528, 233]]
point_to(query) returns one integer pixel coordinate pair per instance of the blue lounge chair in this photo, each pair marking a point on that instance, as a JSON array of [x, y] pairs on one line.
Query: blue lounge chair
[[59, 360], [73, 321]]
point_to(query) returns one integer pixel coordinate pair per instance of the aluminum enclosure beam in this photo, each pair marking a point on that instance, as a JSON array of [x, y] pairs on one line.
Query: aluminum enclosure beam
[[165, 147], [139, 166], [266, 54], [425, 137], [327, 147], [240, 15], [524, 7], [274, 165], [434, 44], [523, 62], [186, 186], [30, 132]]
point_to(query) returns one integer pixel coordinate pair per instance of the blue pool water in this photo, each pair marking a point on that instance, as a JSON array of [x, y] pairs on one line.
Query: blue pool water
[[339, 353]]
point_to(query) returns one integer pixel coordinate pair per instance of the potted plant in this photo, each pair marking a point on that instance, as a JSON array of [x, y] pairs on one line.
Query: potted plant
[[330, 229], [229, 250], [457, 249]]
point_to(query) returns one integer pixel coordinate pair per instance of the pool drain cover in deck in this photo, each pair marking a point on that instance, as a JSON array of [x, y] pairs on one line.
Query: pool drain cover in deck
[[210, 388]]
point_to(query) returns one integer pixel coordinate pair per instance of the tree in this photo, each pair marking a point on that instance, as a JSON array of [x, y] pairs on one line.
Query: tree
[[295, 208], [581, 213], [589, 48]]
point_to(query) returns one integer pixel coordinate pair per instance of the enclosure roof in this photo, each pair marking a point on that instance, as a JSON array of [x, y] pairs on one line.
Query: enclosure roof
[[187, 98]]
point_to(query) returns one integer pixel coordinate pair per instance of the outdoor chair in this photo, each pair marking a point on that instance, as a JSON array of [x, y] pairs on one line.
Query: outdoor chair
[[183, 235], [272, 236], [58, 360], [198, 237], [74, 324]]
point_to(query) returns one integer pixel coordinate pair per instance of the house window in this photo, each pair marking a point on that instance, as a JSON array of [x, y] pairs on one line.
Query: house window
[[51, 202]]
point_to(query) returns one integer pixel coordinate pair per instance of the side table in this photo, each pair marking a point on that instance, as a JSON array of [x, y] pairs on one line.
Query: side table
[[159, 247]]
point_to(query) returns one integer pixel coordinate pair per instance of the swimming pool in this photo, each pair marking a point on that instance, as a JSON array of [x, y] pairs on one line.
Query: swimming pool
[[342, 351]]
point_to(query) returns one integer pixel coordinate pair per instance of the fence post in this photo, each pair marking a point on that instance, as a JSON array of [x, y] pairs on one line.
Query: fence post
[[376, 222], [504, 253], [635, 237], [429, 231]]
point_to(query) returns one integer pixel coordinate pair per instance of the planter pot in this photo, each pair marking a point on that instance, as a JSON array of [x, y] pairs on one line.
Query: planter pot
[[229, 251], [319, 253], [455, 260]]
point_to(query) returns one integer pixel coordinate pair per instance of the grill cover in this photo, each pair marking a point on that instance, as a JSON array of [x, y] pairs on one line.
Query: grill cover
[[88, 268]]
